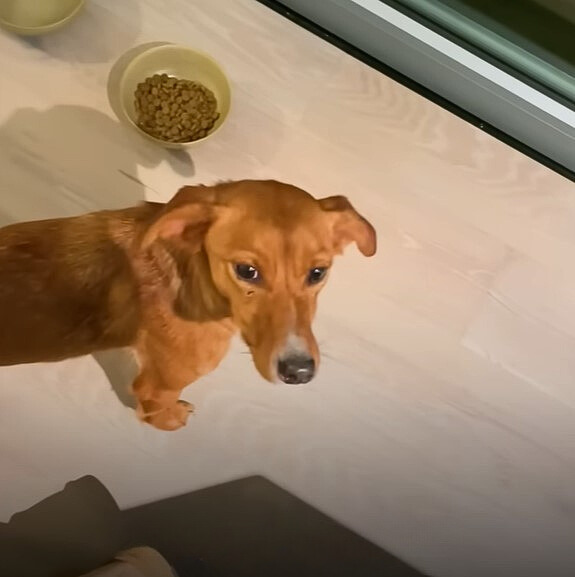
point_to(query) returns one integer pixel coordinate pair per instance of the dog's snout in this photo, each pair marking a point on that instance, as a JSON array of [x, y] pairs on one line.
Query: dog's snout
[[296, 369]]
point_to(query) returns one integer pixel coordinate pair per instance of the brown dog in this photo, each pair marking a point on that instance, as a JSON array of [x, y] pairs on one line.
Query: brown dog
[[175, 282]]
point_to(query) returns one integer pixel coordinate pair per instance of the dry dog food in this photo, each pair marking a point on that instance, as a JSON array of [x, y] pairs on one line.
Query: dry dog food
[[175, 110]]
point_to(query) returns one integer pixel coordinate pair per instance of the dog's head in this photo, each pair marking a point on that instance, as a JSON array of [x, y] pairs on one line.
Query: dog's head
[[268, 248]]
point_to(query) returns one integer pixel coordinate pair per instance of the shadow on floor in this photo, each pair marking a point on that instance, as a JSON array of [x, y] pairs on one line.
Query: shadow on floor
[[97, 34], [69, 160]]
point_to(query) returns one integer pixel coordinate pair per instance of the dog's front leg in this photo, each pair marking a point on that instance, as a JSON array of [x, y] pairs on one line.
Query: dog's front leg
[[171, 357], [158, 399]]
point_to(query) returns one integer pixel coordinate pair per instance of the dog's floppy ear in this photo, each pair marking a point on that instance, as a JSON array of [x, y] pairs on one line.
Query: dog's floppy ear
[[349, 226], [185, 219]]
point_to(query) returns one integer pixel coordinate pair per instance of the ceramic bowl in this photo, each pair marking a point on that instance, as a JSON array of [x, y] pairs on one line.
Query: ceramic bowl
[[173, 60], [37, 17]]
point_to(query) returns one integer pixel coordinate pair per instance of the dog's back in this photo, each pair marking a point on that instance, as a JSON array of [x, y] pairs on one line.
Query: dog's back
[[66, 288]]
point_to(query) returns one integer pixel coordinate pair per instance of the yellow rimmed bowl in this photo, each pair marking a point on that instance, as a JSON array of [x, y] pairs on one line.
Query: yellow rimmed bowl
[[174, 60], [37, 17]]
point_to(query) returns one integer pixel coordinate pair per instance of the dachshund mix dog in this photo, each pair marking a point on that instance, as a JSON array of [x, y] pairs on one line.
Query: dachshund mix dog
[[175, 281]]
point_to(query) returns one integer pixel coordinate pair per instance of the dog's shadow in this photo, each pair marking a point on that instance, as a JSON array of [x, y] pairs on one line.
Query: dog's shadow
[[69, 160], [121, 368]]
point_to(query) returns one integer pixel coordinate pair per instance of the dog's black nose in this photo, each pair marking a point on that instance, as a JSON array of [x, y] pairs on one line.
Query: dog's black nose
[[296, 370]]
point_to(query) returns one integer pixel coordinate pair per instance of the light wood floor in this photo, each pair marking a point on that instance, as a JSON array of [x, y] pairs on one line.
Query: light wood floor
[[442, 424]]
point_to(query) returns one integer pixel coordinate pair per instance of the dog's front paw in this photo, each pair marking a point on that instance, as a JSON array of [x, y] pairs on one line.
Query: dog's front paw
[[166, 418]]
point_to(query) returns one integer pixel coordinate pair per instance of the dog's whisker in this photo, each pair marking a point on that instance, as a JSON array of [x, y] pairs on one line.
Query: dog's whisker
[[328, 356]]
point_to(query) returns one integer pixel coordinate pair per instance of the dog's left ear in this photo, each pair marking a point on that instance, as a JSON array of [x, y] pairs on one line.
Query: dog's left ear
[[185, 219], [349, 226]]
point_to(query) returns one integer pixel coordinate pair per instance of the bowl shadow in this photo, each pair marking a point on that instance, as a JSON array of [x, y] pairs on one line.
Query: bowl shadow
[[96, 34]]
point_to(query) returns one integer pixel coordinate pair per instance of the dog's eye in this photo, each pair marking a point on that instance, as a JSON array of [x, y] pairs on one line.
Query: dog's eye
[[316, 275], [247, 272]]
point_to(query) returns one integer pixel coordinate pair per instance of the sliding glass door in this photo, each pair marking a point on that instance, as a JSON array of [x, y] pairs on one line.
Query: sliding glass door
[[536, 39]]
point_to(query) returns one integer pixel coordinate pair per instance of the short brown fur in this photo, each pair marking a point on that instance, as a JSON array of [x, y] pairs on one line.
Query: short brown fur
[[160, 279]]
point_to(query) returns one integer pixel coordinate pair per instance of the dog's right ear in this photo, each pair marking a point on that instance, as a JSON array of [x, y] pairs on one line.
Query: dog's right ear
[[185, 219]]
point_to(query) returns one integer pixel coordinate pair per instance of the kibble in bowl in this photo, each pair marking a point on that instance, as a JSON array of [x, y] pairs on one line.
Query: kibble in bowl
[[174, 95], [174, 109]]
